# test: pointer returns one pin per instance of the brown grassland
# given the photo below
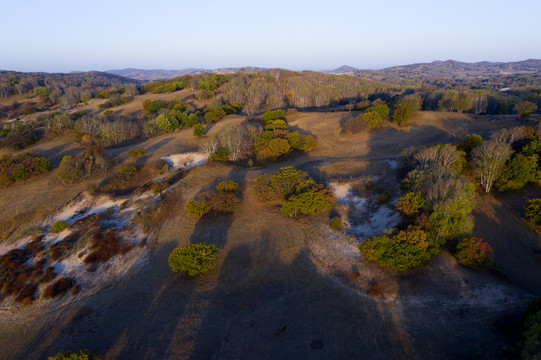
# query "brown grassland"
(282, 288)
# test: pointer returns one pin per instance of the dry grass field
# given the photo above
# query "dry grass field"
(282, 288)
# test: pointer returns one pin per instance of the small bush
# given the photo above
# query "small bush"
(75, 355)
(474, 253)
(161, 166)
(58, 226)
(197, 208)
(532, 211)
(224, 202)
(336, 223)
(128, 169)
(228, 186)
(198, 130)
(193, 259)
(59, 287)
(221, 156)
(307, 203)
(273, 115)
(383, 197)
(404, 250)
(136, 152)
(159, 186)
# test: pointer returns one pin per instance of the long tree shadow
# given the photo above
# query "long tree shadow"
(264, 308)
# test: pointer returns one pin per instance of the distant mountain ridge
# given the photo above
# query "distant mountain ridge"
(442, 69)
(453, 69)
(160, 74)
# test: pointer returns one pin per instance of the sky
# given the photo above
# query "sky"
(67, 35)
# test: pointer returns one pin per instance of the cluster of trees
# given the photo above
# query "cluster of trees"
(271, 141)
(401, 109)
(205, 82)
(90, 163)
(275, 89)
(165, 117)
(65, 89)
(224, 200)
(436, 212)
(276, 140)
(21, 167)
(18, 135)
(295, 191)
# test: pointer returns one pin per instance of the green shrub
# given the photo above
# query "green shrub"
(532, 211)
(401, 115)
(75, 355)
(518, 172)
(198, 130)
(128, 169)
(410, 204)
(307, 203)
(273, 115)
(381, 110)
(135, 152)
(221, 155)
(470, 142)
(215, 115)
(278, 148)
(58, 226)
(228, 186)
(336, 223)
(383, 197)
(197, 208)
(404, 250)
(224, 202)
(193, 259)
(474, 253)
(158, 186)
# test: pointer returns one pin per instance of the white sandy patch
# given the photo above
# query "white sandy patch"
(185, 160)
(377, 222)
(5, 247)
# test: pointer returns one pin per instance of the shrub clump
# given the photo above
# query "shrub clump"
(336, 223)
(136, 152)
(474, 253)
(383, 197)
(75, 355)
(221, 156)
(532, 211)
(193, 259)
(225, 200)
(21, 167)
(59, 287)
(58, 226)
(228, 186)
(297, 192)
(410, 204)
(403, 250)
(128, 170)
(90, 163)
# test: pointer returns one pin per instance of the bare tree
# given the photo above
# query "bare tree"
(209, 146)
(489, 161)
(511, 135)
(236, 141)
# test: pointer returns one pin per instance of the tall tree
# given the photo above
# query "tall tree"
(488, 160)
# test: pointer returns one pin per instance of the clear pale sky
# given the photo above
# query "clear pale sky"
(63, 36)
